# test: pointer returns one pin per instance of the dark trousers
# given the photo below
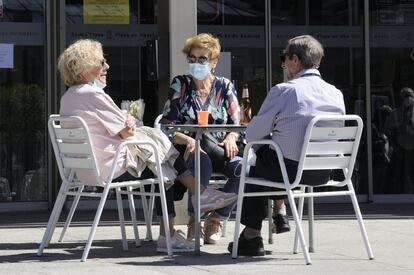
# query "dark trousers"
(267, 166)
(181, 167)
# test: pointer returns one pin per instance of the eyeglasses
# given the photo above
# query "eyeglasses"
(203, 60)
(103, 62)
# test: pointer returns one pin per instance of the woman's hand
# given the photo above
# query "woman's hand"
(230, 146)
(129, 122)
(129, 129)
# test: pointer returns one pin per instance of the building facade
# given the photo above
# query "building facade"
(369, 55)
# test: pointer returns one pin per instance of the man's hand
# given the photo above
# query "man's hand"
(190, 143)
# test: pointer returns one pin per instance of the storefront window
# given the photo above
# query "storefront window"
(392, 64)
(23, 164)
(288, 12)
(240, 28)
(338, 26)
(124, 44)
(336, 12)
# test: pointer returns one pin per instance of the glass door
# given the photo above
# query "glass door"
(23, 175)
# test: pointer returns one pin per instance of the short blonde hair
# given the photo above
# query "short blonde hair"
(203, 41)
(79, 58)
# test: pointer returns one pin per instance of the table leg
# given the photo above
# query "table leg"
(197, 194)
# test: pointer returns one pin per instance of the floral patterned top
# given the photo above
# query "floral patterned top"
(183, 103)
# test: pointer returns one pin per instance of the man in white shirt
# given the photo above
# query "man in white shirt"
(283, 117)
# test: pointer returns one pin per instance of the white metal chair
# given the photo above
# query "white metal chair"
(157, 120)
(74, 152)
(329, 143)
(217, 180)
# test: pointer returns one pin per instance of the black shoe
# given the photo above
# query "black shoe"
(280, 224)
(252, 247)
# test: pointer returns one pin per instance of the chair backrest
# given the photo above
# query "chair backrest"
(157, 120)
(331, 142)
(73, 148)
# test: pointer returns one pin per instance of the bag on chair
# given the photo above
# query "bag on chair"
(216, 152)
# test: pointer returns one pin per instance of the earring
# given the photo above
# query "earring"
(213, 70)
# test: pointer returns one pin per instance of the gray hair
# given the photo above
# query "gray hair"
(307, 49)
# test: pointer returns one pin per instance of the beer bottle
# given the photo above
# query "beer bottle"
(245, 106)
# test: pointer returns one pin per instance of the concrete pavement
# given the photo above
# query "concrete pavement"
(338, 250)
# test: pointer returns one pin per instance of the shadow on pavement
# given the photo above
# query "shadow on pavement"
(112, 249)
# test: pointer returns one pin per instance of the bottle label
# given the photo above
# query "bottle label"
(245, 93)
(246, 109)
(245, 112)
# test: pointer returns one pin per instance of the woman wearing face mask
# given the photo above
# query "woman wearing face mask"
(197, 90)
(84, 69)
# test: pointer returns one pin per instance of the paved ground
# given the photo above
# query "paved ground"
(338, 245)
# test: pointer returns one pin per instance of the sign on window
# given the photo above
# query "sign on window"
(106, 12)
(6, 56)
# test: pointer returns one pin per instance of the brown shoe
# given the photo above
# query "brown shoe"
(191, 232)
(212, 230)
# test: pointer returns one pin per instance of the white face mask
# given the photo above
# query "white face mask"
(98, 84)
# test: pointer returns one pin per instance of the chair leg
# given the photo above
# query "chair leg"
(238, 218)
(311, 219)
(95, 223)
(121, 218)
(133, 216)
(56, 219)
(298, 226)
(165, 218)
(360, 222)
(225, 221)
(270, 218)
(54, 216)
(223, 232)
(300, 206)
(71, 212)
(145, 207)
(151, 213)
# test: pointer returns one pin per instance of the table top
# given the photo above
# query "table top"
(207, 128)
